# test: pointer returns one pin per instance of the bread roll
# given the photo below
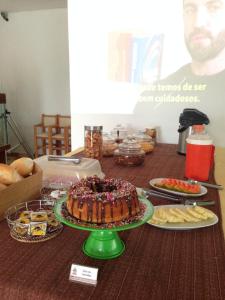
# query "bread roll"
(24, 165)
(8, 174)
(2, 186)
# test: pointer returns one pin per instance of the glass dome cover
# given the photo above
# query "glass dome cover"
(130, 145)
(129, 153)
(142, 136)
(119, 131)
(109, 145)
(108, 138)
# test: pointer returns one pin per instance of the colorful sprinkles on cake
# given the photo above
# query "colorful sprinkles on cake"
(100, 198)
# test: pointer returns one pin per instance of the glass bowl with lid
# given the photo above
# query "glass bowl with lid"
(55, 189)
(129, 153)
(119, 133)
(109, 145)
(145, 141)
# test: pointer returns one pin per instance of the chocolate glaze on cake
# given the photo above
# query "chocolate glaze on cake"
(98, 200)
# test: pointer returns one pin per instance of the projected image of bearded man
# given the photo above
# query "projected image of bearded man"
(199, 83)
(204, 32)
(204, 36)
(202, 45)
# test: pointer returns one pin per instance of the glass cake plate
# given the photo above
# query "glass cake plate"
(104, 242)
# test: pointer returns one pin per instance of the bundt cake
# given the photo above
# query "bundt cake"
(98, 200)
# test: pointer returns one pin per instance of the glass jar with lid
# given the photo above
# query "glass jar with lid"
(152, 133)
(145, 141)
(109, 145)
(129, 153)
(119, 133)
(93, 141)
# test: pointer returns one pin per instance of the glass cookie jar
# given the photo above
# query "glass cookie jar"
(145, 141)
(129, 153)
(109, 145)
(152, 133)
(93, 141)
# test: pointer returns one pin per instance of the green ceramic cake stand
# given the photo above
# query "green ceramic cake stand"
(104, 243)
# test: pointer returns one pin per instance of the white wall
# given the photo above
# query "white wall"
(107, 103)
(34, 66)
(97, 101)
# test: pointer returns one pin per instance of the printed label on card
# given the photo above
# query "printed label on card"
(83, 274)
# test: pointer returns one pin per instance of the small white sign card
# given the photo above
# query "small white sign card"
(83, 274)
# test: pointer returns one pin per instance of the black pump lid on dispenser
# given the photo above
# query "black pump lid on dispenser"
(191, 116)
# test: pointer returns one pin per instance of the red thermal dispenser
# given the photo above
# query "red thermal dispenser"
(199, 154)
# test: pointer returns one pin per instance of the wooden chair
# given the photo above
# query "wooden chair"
(61, 140)
(43, 134)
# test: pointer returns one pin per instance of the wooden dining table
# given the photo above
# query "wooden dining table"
(156, 264)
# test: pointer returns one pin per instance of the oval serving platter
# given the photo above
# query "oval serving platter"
(154, 181)
(184, 225)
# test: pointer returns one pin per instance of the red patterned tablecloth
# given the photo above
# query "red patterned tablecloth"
(157, 264)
